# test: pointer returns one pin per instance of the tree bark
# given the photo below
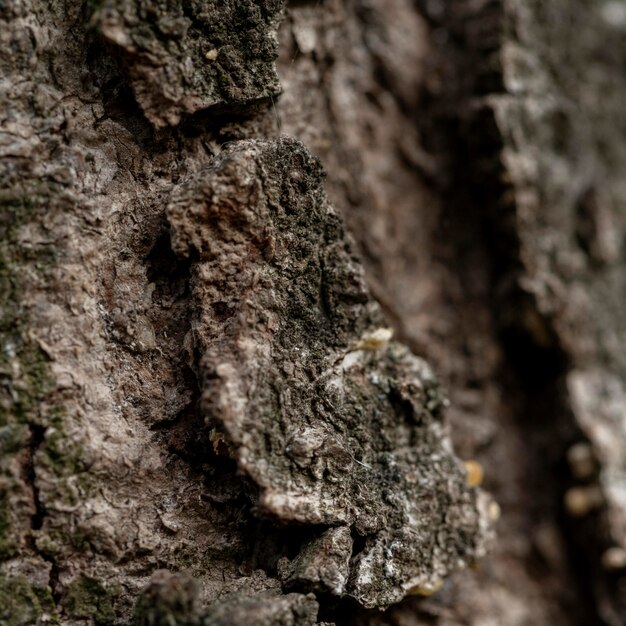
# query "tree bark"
(265, 267)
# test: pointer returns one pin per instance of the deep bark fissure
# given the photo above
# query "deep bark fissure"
(37, 441)
(533, 376)
(37, 435)
(534, 379)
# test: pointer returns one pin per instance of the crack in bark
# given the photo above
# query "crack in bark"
(36, 442)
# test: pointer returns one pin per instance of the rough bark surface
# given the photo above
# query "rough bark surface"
(183, 57)
(335, 425)
(204, 418)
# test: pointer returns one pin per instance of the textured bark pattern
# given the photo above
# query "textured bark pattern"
(334, 424)
(112, 473)
(560, 121)
(184, 57)
(463, 173)
(475, 152)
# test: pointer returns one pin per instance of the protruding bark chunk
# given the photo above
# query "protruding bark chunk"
(334, 430)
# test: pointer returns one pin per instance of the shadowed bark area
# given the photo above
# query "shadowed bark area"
(270, 273)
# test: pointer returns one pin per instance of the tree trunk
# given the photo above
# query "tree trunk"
(271, 274)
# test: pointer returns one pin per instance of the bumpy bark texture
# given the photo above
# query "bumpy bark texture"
(184, 57)
(336, 426)
(479, 175)
(203, 416)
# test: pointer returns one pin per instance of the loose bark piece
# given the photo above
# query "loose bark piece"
(293, 609)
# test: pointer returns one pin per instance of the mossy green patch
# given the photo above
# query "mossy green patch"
(8, 545)
(89, 599)
(24, 604)
(22, 363)
(13, 438)
(24, 372)
(63, 456)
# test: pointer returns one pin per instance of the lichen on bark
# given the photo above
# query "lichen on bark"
(338, 426)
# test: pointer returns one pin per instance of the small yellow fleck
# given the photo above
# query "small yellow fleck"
(211, 55)
(475, 473)
(378, 338)
(494, 511)
(580, 501)
(427, 588)
(614, 559)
